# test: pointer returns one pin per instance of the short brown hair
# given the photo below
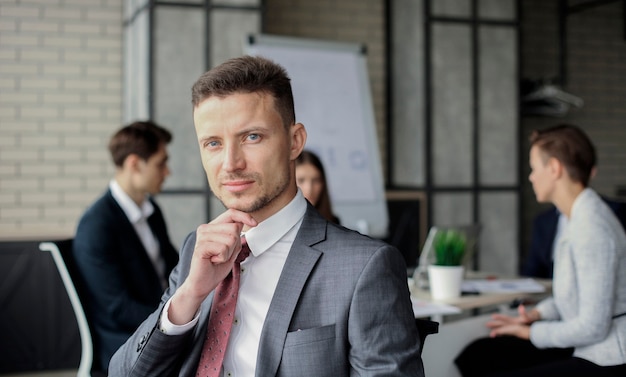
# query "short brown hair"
(571, 146)
(142, 138)
(248, 74)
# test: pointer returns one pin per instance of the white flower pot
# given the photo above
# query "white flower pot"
(445, 281)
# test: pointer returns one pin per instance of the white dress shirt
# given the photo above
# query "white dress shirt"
(269, 242)
(139, 218)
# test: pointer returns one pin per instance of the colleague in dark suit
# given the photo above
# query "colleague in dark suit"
(315, 299)
(546, 226)
(121, 246)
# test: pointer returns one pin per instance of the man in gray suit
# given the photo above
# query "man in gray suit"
(315, 299)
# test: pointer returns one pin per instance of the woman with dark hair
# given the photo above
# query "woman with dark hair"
(311, 179)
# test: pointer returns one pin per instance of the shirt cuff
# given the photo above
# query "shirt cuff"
(169, 328)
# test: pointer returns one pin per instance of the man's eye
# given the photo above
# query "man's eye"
(254, 137)
(211, 144)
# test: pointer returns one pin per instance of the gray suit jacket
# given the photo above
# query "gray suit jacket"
(341, 308)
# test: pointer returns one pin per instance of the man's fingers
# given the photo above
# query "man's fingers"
(219, 241)
(235, 216)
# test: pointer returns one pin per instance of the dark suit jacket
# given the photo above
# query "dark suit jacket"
(539, 261)
(121, 282)
(341, 308)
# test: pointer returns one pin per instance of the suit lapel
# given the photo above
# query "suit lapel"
(131, 244)
(159, 229)
(130, 237)
(298, 266)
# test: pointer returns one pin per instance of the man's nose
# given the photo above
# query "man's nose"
(233, 158)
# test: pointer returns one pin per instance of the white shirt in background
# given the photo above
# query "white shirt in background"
(139, 218)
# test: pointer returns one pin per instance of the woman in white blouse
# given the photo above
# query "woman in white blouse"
(581, 329)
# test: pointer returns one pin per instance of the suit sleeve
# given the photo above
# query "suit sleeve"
(382, 332)
(98, 257)
(149, 352)
(594, 263)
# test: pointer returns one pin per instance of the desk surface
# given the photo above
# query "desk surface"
(480, 300)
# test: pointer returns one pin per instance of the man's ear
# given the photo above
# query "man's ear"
(298, 140)
(131, 163)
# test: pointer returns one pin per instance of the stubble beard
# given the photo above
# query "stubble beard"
(261, 202)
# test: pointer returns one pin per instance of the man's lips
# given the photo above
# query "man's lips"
(237, 186)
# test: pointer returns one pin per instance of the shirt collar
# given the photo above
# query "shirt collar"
(130, 208)
(580, 199)
(271, 230)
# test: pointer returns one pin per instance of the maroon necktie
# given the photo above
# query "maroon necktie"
(221, 319)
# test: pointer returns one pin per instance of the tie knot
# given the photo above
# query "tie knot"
(244, 253)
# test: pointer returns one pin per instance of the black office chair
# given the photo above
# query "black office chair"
(61, 252)
(426, 327)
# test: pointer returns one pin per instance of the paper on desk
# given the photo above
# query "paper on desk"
(424, 308)
(527, 285)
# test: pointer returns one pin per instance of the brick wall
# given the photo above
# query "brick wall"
(596, 72)
(61, 90)
(61, 75)
(60, 100)
(358, 21)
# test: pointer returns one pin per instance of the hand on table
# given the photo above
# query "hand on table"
(518, 326)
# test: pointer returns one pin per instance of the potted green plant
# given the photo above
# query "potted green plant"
(449, 247)
(445, 274)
